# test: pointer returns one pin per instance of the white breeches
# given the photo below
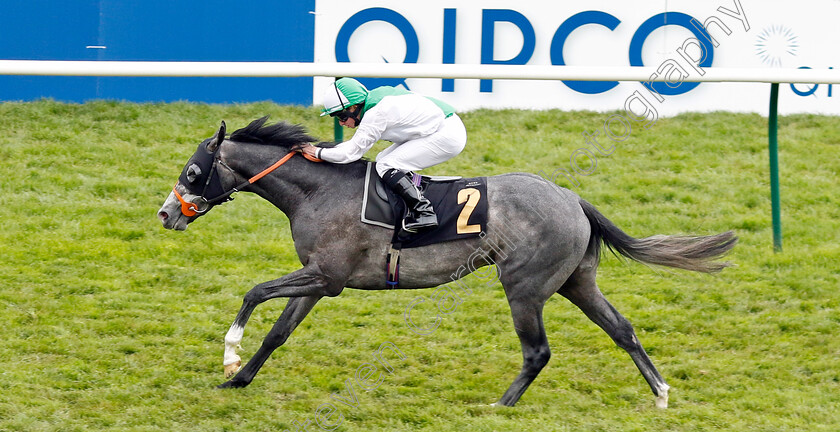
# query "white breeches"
(430, 150)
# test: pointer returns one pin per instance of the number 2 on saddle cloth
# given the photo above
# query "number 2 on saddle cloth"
(461, 208)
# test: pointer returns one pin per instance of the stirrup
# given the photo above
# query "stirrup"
(419, 226)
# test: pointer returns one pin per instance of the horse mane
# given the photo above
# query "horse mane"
(278, 134)
(289, 135)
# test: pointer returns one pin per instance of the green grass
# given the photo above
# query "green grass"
(114, 323)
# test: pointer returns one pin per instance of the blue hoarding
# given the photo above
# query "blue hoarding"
(158, 30)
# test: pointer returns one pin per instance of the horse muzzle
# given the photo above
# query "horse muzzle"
(170, 214)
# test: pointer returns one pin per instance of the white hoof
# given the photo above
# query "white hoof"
(232, 369)
(662, 399)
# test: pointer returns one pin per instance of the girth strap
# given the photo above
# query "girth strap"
(392, 266)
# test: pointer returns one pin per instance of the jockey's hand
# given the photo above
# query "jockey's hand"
(308, 149)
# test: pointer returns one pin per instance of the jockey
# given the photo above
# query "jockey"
(424, 132)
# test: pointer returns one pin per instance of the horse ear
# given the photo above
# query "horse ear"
(218, 139)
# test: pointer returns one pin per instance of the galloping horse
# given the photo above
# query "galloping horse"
(564, 235)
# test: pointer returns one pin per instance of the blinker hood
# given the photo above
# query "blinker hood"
(206, 182)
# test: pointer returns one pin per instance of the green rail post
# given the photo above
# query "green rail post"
(338, 131)
(773, 125)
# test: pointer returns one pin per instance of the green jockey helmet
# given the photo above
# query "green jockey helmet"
(342, 94)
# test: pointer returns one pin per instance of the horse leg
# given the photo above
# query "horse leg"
(528, 322)
(296, 310)
(582, 291)
(308, 281)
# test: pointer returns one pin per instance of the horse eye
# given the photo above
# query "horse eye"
(193, 172)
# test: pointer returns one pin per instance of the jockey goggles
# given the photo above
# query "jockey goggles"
(342, 115)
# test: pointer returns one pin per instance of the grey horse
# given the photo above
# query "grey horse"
(543, 239)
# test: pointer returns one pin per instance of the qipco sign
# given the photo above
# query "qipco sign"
(491, 17)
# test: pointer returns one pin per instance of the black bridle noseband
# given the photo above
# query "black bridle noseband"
(203, 171)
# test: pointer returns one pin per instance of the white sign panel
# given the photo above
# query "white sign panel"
(680, 37)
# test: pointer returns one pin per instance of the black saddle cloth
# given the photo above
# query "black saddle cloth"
(460, 205)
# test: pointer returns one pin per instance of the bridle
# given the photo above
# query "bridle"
(192, 208)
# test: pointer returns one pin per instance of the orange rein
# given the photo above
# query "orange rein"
(283, 160)
(190, 209)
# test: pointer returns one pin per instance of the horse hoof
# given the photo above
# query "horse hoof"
(662, 399)
(233, 384)
(232, 369)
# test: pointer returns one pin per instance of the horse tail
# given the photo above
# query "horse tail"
(695, 253)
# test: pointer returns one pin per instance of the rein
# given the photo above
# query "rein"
(190, 209)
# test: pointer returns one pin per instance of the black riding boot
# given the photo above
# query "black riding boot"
(421, 215)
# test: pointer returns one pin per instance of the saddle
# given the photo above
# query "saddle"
(460, 205)
(377, 208)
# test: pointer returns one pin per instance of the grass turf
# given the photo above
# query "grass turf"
(114, 323)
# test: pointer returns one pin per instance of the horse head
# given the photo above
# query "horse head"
(207, 180)
(199, 186)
